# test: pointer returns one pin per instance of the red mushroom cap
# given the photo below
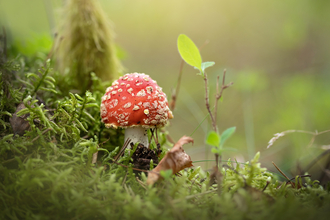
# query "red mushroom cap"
(135, 100)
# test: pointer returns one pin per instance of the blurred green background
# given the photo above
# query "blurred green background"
(276, 53)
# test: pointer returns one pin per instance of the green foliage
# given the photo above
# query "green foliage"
(43, 82)
(9, 96)
(217, 142)
(189, 51)
(213, 139)
(190, 54)
(226, 134)
(47, 173)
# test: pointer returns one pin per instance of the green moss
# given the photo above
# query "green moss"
(47, 172)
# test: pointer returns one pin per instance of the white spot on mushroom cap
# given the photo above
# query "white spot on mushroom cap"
(108, 89)
(136, 107)
(130, 90)
(149, 89)
(120, 90)
(146, 111)
(155, 104)
(160, 111)
(113, 103)
(141, 93)
(114, 92)
(146, 104)
(127, 105)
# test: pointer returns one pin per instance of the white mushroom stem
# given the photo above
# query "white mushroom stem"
(137, 134)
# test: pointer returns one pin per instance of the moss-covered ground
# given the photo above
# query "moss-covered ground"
(47, 169)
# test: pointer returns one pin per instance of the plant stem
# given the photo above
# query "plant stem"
(39, 83)
(207, 102)
(175, 93)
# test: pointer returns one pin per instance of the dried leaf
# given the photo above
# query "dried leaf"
(19, 124)
(176, 159)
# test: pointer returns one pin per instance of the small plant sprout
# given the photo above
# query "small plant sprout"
(135, 102)
(217, 142)
(191, 55)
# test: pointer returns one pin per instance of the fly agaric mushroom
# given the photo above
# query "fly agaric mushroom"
(135, 102)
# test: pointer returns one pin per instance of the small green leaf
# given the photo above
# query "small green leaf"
(207, 65)
(189, 52)
(213, 139)
(226, 134)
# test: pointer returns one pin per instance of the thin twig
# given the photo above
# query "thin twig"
(279, 170)
(217, 97)
(122, 149)
(105, 141)
(265, 186)
(219, 94)
(281, 134)
(152, 134)
(141, 183)
(36, 138)
(175, 93)
(207, 103)
(156, 136)
(307, 175)
(124, 180)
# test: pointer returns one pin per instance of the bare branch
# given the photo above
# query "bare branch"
(219, 94)
(281, 134)
(207, 103)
